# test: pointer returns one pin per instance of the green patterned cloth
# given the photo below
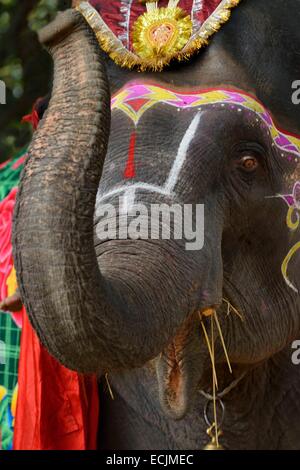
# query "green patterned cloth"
(10, 336)
(10, 175)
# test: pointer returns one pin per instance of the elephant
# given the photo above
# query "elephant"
(218, 131)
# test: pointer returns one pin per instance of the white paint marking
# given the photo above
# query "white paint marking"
(128, 199)
(145, 186)
(182, 154)
(168, 188)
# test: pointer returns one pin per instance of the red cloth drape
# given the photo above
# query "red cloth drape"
(57, 409)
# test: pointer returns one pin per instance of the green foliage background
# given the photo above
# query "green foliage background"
(24, 66)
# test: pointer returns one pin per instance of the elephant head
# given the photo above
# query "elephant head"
(208, 133)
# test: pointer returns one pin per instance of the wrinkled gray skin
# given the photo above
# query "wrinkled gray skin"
(129, 308)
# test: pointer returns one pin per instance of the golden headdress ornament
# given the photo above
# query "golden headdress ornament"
(150, 34)
(161, 32)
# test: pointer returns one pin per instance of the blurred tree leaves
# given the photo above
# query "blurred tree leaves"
(24, 66)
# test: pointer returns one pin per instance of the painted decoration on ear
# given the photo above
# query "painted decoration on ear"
(293, 223)
(148, 34)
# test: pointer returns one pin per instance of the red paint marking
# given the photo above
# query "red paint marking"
(138, 104)
(130, 167)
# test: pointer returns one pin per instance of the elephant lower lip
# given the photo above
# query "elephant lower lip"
(177, 376)
(174, 399)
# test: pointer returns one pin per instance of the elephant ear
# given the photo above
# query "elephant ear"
(148, 35)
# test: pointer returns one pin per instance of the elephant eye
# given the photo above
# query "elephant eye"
(248, 162)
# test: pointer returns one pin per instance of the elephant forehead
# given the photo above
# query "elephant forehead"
(158, 146)
(136, 98)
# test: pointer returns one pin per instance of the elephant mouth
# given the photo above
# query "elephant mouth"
(180, 368)
(184, 367)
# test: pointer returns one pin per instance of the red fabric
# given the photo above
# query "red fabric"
(32, 118)
(57, 409)
(116, 13)
(6, 258)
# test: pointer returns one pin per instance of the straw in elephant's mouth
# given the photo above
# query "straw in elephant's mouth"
(177, 376)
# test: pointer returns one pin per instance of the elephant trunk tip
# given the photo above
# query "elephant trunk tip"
(61, 26)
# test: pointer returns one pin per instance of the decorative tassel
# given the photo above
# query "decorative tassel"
(173, 3)
(151, 6)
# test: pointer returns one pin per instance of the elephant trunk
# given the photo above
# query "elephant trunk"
(53, 222)
(67, 299)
